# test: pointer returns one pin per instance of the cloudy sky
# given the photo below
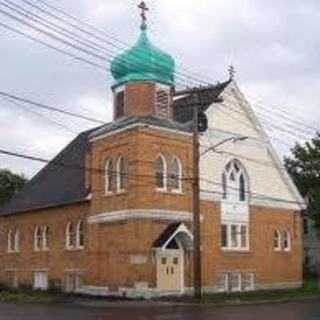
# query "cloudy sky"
(274, 46)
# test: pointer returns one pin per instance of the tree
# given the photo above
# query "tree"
(304, 168)
(10, 184)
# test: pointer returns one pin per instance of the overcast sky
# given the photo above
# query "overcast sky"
(274, 46)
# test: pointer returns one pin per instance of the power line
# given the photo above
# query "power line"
(125, 44)
(48, 45)
(48, 24)
(47, 107)
(23, 107)
(98, 170)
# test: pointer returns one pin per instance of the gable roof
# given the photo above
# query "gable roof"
(61, 181)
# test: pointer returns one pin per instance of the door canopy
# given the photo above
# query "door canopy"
(175, 236)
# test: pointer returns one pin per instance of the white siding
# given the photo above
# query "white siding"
(266, 176)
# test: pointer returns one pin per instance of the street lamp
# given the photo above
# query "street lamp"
(234, 139)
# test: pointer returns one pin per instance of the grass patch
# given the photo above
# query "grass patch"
(18, 296)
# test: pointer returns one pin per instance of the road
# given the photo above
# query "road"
(287, 311)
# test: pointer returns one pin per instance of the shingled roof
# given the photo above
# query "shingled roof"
(62, 181)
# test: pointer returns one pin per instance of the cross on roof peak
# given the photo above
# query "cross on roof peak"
(143, 7)
(231, 71)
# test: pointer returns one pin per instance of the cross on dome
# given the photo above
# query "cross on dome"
(143, 7)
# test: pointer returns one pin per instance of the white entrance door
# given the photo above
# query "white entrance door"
(170, 270)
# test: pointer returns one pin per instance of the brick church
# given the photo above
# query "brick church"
(111, 214)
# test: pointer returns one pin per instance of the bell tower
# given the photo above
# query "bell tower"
(144, 78)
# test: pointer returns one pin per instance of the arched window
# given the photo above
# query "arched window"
(70, 236)
(286, 241)
(277, 240)
(16, 240)
(176, 175)
(10, 241)
(80, 234)
(45, 237)
(109, 176)
(37, 239)
(234, 182)
(121, 174)
(161, 173)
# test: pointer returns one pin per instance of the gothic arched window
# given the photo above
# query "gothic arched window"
(121, 174)
(234, 182)
(109, 176)
(161, 173)
(176, 175)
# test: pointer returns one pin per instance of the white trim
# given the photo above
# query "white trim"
(181, 228)
(143, 125)
(156, 214)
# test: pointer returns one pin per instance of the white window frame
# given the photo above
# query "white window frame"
(68, 236)
(165, 173)
(108, 188)
(17, 241)
(9, 240)
(231, 189)
(45, 234)
(179, 175)
(229, 246)
(37, 243)
(80, 222)
(120, 173)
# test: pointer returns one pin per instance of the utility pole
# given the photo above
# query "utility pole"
(197, 275)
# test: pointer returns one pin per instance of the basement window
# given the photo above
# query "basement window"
(40, 280)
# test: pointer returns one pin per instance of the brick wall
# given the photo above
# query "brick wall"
(111, 247)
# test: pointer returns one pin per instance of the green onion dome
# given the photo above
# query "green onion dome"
(143, 62)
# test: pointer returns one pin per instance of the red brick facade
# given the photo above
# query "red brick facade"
(110, 247)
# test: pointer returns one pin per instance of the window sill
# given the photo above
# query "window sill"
(170, 192)
(74, 249)
(13, 252)
(235, 250)
(113, 194)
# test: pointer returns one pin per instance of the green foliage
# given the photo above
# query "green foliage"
(10, 184)
(304, 167)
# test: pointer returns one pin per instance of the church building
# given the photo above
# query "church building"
(111, 214)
